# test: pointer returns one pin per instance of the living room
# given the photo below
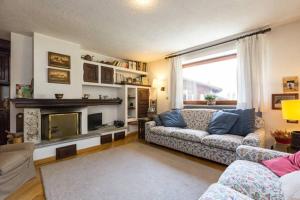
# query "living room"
(149, 99)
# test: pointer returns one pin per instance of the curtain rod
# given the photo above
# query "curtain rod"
(220, 43)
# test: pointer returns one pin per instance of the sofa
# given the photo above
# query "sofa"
(16, 166)
(247, 179)
(195, 140)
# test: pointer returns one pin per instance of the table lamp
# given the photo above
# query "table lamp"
(291, 111)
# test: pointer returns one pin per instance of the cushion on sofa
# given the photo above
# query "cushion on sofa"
(290, 185)
(227, 141)
(11, 160)
(165, 131)
(252, 179)
(246, 122)
(197, 119)
(221, 122)
(189, 134)
(284, 165)
(220, 192)
(157, 121)
(172, 119)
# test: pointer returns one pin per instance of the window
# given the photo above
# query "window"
(217, 76)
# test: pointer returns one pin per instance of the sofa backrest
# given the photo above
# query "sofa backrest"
(197, 119)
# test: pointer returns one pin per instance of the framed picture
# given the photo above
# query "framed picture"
(58, 76)
(290, 84)
(59, 60)
(277, 98)
(23, 91)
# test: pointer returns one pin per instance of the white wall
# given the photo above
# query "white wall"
(284, 60)
(21, 70)
(42, 89)
(161, 70)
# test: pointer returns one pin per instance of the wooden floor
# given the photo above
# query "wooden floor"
(33, 189)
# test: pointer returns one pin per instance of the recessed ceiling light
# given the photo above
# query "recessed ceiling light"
(143, 2)
(146, 4)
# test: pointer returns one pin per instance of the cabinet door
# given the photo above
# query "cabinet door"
(107, 75)
(4, 69)
(90, 73)
(4, 125)
(143, 102)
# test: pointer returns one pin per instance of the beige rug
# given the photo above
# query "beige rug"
(134, 171)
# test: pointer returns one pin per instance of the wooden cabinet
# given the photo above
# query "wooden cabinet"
(107, 75)
(4, 68)
(143, 102)
(4, 124)
(90, 73)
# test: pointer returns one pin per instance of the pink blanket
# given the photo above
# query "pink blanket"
(284, 165)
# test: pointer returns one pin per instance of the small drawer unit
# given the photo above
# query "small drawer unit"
(104, 139)
(66, 151)
(119, 135)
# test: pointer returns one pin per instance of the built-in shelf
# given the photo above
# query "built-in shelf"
(101, 85)
(90, 134)
(122, 69)
(131, 119)
(56, 103)
(132, 84)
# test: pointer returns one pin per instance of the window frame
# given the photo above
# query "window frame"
(208, 61)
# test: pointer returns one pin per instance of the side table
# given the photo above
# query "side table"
(141, 127)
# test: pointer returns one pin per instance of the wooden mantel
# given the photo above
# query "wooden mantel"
(63, 103)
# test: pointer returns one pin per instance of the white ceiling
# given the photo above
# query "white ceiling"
(120, 28)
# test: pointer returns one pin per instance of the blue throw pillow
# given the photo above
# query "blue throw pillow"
(246, 122)
(221, 122)
(157, 121)
(172, 119)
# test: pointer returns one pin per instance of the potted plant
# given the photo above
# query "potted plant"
(282, 137)
(211, 99)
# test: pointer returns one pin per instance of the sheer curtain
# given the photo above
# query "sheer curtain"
(250, 54)
(176, 83)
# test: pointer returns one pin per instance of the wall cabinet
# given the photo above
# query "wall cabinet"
(143, 102)
(107, 75)
(90, 73)
(4, 69)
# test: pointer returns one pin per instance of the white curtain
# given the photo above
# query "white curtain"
(176, 83)
(250, 55)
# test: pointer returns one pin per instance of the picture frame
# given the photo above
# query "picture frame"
(23, 91)
(290, 84)
(58, 76)
(59, 60)
(277, 98)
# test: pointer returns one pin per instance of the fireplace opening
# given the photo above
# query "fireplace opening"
(61, 125)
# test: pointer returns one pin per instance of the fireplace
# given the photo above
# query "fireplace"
(57, 126)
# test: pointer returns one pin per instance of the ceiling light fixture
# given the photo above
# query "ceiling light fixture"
(145, 4)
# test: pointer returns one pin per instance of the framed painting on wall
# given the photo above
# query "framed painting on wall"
(277, 98)
(59, 60)
(58, 76)
(290, 84)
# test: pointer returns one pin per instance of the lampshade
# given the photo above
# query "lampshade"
(290, 109)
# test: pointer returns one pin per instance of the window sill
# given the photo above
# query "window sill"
(216, 107)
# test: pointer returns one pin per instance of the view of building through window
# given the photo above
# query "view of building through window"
(218, 77)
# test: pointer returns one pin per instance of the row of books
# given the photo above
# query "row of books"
(140, 66)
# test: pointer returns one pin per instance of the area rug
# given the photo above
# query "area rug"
(134, 171)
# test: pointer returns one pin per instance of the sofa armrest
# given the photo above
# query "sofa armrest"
(148, 126)
(257, 154)
(15, 147)
(256, 139)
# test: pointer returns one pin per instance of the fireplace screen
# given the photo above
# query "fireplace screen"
(59, 126)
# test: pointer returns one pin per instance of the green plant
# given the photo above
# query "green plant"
(210, 97)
